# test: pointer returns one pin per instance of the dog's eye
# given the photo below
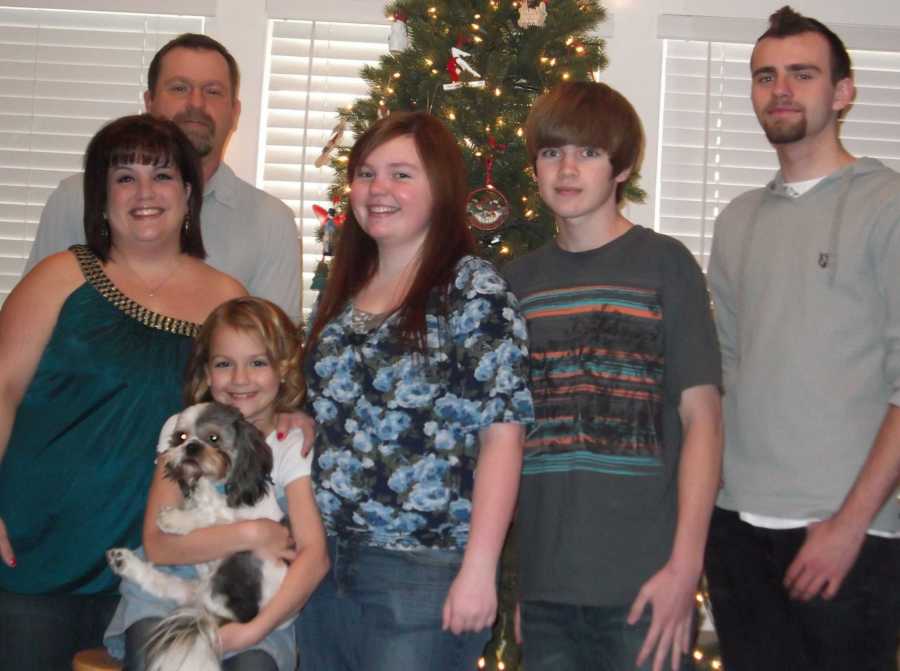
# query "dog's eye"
(214, 438)
(181, 436)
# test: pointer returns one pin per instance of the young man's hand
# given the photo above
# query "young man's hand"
(671, 595)
(824, 559)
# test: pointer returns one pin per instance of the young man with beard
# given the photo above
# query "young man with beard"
(250, 235)
(803, 559)
(623, 463)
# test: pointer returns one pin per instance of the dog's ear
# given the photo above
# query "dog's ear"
(252, 468)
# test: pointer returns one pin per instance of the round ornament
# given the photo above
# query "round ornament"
(486, 209)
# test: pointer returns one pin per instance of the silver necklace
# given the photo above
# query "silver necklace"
(152, 289)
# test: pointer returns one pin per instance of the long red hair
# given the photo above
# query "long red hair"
(448, 238)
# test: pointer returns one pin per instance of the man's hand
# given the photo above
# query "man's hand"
(285, 422)
(671, 594)
(471, 603)
(824, 559)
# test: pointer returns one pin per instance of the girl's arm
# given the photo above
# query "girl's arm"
(471, 603)
(303, 575)
(269, 538)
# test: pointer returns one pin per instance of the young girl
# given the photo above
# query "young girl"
(416, 373)
(246, 355)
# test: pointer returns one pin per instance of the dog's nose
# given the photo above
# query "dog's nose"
(193, 449)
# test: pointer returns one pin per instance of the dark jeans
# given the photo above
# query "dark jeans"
(380, 610)
(43, 632)
(564, 637)
(760, 627)
(136, 639)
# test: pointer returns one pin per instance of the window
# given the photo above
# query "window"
(711, 147)
(62, 75)
(313, 71)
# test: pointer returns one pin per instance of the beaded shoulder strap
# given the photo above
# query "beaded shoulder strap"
(93, 273)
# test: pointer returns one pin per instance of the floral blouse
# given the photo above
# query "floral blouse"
(397, 435)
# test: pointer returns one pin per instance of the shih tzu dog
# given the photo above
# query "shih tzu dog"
(222, 464)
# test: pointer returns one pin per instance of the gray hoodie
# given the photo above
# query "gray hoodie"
(807, 303)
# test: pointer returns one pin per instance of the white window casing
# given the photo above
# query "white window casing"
(312, 71)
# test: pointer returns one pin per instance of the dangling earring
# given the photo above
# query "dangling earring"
(187, 223)
(104, 232)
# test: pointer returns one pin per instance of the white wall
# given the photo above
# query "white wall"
(633, 48)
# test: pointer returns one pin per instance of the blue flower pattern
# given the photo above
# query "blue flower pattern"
(397, 434)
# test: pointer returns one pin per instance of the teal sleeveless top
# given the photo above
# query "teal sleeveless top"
(79, 462)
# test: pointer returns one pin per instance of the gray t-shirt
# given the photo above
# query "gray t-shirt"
(615, 335)
(247, 233)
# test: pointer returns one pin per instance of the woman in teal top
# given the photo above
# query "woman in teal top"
(93, 343)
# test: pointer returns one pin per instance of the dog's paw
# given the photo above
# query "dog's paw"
(123, 562)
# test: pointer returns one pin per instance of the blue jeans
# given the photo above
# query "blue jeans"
(760, 627)
(380, 610)
(564, 637)
(41, 632)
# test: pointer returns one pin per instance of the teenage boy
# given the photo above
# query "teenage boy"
(622, 465)
(804, 555)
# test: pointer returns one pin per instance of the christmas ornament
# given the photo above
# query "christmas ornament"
(399, 38)
(532, 14)
(329, 222)
(336, 135)
(455, 64)
(486, 209)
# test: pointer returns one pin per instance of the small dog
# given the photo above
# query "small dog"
(222, 464)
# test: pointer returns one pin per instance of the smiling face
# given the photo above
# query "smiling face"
(391, 195)
(145, 204)
(240, 374)
(577, 183)
(194, 91)
(792, 92)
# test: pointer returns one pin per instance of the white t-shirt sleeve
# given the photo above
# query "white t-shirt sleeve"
(288, 463)
(166, 433)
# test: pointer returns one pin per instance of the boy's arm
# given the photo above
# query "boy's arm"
(671, 590)
(832, 545)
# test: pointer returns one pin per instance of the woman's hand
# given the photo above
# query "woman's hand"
(235, 636)
(6, 551)
(471, 603)
(269, 539)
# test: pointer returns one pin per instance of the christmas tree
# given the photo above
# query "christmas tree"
(478, 65)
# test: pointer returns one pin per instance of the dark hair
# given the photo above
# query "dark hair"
(193, 41)
(587, 114)
(145, 140)
(448, 238)
(786, 22)
(272, 326)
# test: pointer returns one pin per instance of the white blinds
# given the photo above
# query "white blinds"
(711, 147)
(313, 71)
(62, 75)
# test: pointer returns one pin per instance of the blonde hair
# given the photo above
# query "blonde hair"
(272, 326)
